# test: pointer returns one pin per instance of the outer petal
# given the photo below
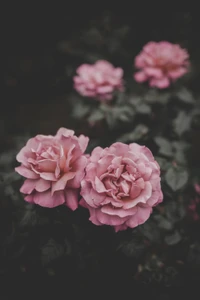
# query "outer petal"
(83, 142)
(65, 132)
(120, 212)
(160, 83)
(26, 172)
(108, 219)
(45, 199)
(120, 227)
(28, 186)
(177, 73)
(140, 217)
(39, 185)
(140, 76)
(71, 198)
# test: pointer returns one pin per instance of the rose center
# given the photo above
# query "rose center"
(121, 183)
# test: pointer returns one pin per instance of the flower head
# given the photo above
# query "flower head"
(160, 63)
(121, 185)
(99, 80)
(53, 167)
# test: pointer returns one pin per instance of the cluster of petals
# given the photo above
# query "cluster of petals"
(161, 63)
(54, 167)
(121, 185)
(98, 80)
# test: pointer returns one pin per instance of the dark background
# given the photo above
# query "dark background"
(35, 85)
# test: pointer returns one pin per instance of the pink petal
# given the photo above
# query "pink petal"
(26, 172)
(135, 191)
(23, 156)
(42, 185)
(29, 198)
(160, 83)
(105, 89)
(197, 188)
(45, 199)
(79, 165)
(108, 219)
(142, 198)
(140, 217)
(140, 76)
(118, 149)
(96, 154)
(154, 72)
(28, 186)
(120, 212)
(46, 165)
(120, 227)
(83, 142)
(99, 186)
(90, 196)
(48, 176)
(177, 73)
(61, 183)
(64, 132)
(71, 198)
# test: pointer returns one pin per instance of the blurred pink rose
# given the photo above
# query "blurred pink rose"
(160, 63)
(54, 167)
(194, 205)
(121, 185)
(98, 80)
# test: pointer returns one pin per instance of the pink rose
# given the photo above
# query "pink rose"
(54, 167)
(98, 80)
(160, 63)
(121, 185)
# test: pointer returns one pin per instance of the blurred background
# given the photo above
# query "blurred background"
(42, 47)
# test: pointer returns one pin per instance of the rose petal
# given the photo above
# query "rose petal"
(109, 210)
(61, 183)
(45, 199)
(71, 198)
(140, 217)
(142, 198)
(26, 172)
(28, 186)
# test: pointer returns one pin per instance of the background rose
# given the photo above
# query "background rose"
(121, 185)
(98, 80)
(54, 167)
(160, 63)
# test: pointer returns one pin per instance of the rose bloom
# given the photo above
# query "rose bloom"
(99, 80)
(160, 63)
(121, 185)
(54, 167)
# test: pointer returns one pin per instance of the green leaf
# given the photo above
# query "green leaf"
(165, 146)
(154, 96)
(185, 95)
(96, 116)
(163, 222)
(176, 178)
(80, 110)
(139, 132)
(143, 109)
(173, 238)
(163, 163)
(182, 123)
